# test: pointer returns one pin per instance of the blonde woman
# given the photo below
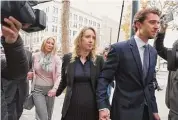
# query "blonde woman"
(46, 65)
(80, 70)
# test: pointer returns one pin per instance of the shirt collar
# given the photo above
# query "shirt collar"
(139, 42)
(88, 57)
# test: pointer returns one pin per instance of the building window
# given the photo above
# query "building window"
(38, 39)
(59, 30)
(69, 32)
(79, 25)
(46, 18)
(70, 24)
(74, 32)
(41, 38)
(75, 25)
(70, 16)
(46, 29)
(90, 22)
(34, 40)
(75, 17)
(81, 19)
(54, 19)
(55, 10)
(47, 9)
(59, 40)
(29, 41)
(86, 21)
(54, 28)
(98, 25)
(94, 23)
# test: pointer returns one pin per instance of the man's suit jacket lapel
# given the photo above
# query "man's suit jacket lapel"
(136, 56)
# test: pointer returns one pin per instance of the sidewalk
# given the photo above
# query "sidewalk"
(30, 114)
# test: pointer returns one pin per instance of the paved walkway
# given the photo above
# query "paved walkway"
(30, 114)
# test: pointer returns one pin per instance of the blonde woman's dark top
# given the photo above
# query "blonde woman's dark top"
(80, 80)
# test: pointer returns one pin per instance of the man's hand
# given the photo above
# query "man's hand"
(11, 33)
(163, 27)
(156, 116)
(104, 114)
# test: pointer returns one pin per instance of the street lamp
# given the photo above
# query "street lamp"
(120, 21)
(110, 35)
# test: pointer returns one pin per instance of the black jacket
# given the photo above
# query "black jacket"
(67, 78)
(172, 84)
(14, 67)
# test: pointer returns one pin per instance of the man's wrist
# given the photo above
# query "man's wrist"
(55, 88)
(10, 41)
(104, 109)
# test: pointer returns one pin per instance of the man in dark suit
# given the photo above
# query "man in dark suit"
(132, 63)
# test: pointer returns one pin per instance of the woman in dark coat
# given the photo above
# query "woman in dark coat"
(80, 70)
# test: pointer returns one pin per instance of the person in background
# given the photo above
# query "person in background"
(14, 68)
(172, 83)
(29, 58)
(80, 70)
(37, 50)
(46, 74)
(110, 86)
(132, 63)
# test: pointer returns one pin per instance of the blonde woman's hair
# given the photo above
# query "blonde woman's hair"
(44, 43)
(77, 43)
